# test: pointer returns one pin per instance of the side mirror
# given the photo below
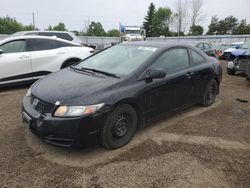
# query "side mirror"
(155, 74)
(1, 51)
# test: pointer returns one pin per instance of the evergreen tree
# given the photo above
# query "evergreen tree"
(149, 19)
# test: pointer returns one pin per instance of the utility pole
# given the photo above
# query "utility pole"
(33, 16)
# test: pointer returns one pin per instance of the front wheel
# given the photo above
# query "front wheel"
(119, 127)
(231, 71)
(69, 63)
(210, 93)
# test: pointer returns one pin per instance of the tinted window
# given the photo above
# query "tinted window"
(207, 46)
(14, 46)
(48, 34)
(65, 36)
(31, 34)
(63, 44)
(42, 44)
(200, 46)
(197, 58)
(173, 60)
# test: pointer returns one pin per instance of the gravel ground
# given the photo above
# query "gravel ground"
(200, 147)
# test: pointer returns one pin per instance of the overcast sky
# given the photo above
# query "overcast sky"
(75, 13)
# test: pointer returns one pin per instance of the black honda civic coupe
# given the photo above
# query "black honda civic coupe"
(111, 94)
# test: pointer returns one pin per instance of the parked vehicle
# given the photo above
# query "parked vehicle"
(59, 34)
(114, 92)
(239, 59)
(232, 47)
(132, 33)
(205, 47)
(27, 58)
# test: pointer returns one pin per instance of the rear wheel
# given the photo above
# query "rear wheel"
(119, 127)
(231, 71)
(210, 93)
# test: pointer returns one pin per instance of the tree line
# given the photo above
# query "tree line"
(230, 26)
(167, 22)
(10, 25)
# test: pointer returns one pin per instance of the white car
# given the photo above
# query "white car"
(59, 34)
(28, 58)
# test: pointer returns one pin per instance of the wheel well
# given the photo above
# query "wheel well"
(69, 60)
(137, 109)
(218, 84)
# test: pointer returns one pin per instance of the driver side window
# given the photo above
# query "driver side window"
(14, 46)
(173, 60)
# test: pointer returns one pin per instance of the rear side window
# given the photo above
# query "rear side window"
(200, 46)
(207, 46)
(47, 34)
(197, 59)
(42, 44)
(173, 60)
(14, 46)
(30, 34)
(64, 36)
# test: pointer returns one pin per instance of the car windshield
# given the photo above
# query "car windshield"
(132, 32)
(246, 45)
(119, 59)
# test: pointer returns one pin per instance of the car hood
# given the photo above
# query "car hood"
(72, 87)
(239, 52)
(230, 50)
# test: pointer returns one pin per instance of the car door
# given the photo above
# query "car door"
(201, 71)
(175, 90)
(46, 56)
(15, 61)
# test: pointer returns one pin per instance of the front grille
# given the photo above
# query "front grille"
(243, 64)
(40, 105)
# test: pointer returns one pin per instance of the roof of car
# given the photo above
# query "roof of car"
(159, 44)
(37, 31)
(36, 37)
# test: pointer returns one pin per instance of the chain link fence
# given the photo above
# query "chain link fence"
(102, 42)
(220, 39)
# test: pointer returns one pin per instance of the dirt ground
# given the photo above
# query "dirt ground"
(200, 147)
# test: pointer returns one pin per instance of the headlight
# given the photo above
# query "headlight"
(28, 92)
(76, 111)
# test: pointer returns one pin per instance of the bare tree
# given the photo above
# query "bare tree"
(197, 14)
(181, 7)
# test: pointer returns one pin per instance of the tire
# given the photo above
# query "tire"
(231, 71)
(210, 93)
(119, 127)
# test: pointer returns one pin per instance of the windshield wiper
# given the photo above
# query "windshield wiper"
(101, 72)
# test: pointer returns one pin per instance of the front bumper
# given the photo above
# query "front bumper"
(65, 132)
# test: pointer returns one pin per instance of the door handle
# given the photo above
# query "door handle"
(189, 75)
(24, 57)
